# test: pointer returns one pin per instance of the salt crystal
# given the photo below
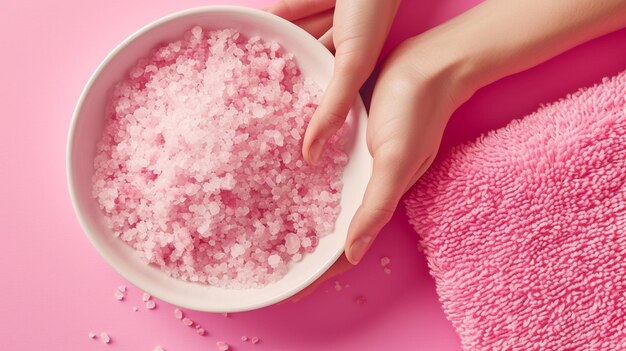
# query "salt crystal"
(200, 331)
(159, 348)
(145, 297)
(255, 340)
(196, 31)
(225, 315)
(135, 309)
(387, 270)
(292, 243)
(360, 300)
(384, 261)
(273, 260)
(150, 304)
(119, 296)
(91, 335)
(244, 338)
(222, 346)
(178, 313)
(236, 250)
(338, 286)
(105, 338)
(122, 288)
(188, 322)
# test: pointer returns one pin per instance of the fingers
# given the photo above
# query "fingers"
(359, 31)
(317, 24)
(293, 10)
(336, 269)
(392, 172)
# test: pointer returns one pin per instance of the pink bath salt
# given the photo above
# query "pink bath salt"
(199, 167)
(159, 348)
(118, 295)
(387, 270)
(145, 297)
(178, 314)
(200, 331)
(384, 261)
(91, 335)
(255, 340)
(122, 288)
(222, 346)
(150, 304)
(188, 322)
(135, 309)
(225, 315)
(338, 286)
(105, 338)
(244, 338)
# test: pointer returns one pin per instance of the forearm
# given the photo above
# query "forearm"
(498, 38)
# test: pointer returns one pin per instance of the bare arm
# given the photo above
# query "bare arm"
(498, 38)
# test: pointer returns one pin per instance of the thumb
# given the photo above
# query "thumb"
(391, 174)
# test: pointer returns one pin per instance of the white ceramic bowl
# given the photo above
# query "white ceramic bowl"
(86, 128)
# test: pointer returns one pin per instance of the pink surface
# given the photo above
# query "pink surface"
(55, 288)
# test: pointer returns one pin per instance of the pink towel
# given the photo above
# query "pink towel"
(525, 228)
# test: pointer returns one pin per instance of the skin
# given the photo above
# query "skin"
(424, 80)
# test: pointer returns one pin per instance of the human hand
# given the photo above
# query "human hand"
(427, 77)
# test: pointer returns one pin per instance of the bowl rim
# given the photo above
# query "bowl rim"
(358, 107)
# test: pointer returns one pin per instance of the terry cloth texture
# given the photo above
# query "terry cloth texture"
(524, 229)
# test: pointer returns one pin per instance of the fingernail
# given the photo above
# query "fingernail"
(358, 248)
(315, 151)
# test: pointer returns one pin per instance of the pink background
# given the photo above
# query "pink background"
(55, 288)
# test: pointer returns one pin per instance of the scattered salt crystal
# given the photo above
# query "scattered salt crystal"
(178, 313)
(105, 338)
(244, 338)
(145, 297)
(255, 340)
(200, 331)
(384, 261)
(188, 322)
(360, 300)
(338, 286)
(135, 309)
(91, 335)
(167, 185)
(225, 315)
(387, 270)
(159, 348)
(122, 288)
(119, 296)
(222, 346)
(150, 304)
